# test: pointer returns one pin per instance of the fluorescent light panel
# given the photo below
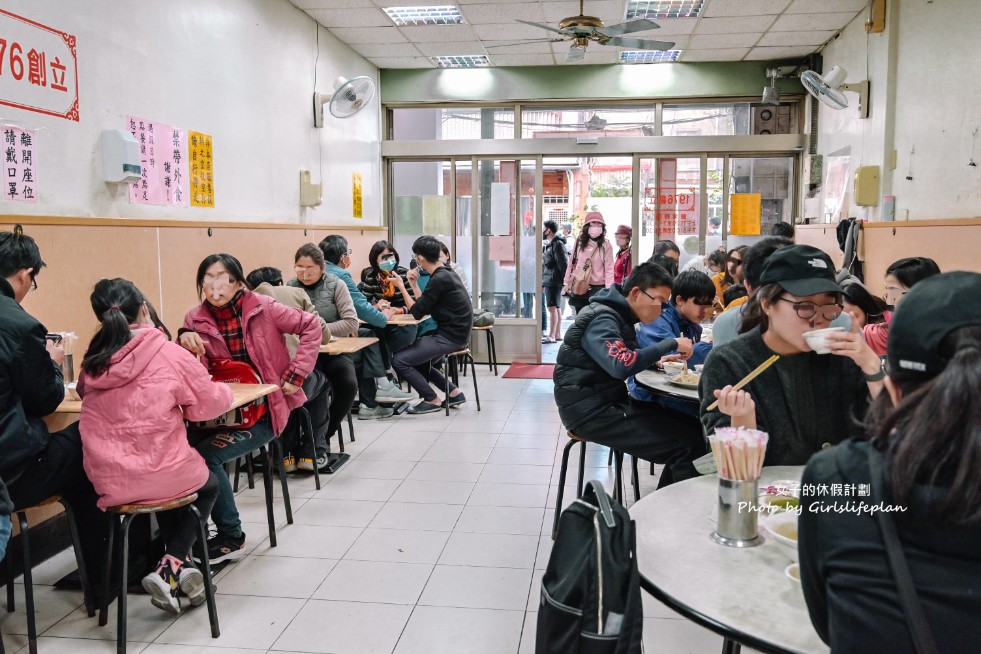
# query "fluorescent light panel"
(648, 56)
(461, 61)
(435, 15)
(664, 8)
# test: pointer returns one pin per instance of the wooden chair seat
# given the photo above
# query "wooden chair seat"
(459, 353)
(136, 509)
(54, 499)
(483, 328)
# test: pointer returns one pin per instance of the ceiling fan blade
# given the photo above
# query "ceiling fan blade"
(523, 42)
(639, 25)
(544, 27)
(576, 53)
(639, 44)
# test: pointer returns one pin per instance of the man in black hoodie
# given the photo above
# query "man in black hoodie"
(555, 260)
(600, 352)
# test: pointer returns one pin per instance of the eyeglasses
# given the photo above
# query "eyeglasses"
(33, 284)
(657, 300)
(349, 251)
(384, 257)
(896, 291)
(807, 310)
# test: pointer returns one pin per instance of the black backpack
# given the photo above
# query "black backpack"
(590, 600)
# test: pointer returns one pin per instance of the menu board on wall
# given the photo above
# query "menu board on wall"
(19, 165)
(202, 170)
(164, 176)
(744, 214)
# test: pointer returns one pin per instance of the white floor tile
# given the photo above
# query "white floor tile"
(157, 648)
(398, 545)
(544, 549)
(312, 541)
(501, 520)
(479, 423)
(433, 492)
(354, 488)
(425, 517)
(252, 508)
(276, 576)
(662, 636)
(477, 588)
(457, 453)
(446, 471)
(522, 426)
(375, 581)
(509, 473)
(527, 441)
(434, 629)
(50, 606)
(535, 591)
(522, 456)
(367, 469)
(527, 645)
(527, 495)
(337, 513)
(53, 645)
(475, 438)
(490, 550)
(246, 622)
(352, 628)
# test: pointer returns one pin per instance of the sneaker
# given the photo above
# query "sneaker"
(424, 407)
(307, 464)
(393, 394)
(289, 463)
(223, 548)
(162, 585)
(455, 402)
(191, 581)
(374, 413)
(547, 339)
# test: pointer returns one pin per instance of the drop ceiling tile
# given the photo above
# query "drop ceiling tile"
(517, 47)
(609, 11)
(382, 4)
(605, 57)
(331, 4)
(767, 54)
(672, 26)
(724, 54)
(480, 2)
(720, 41)
(502, 31)
(734, 25)
(452, 48)
(787, 39)
(716, 8)
(493, 13)
(522, 60)
(436, 33)
(352, 35)
(370, 50)
(826, 6)
(812, 22)
(402, 62)
(358, 17)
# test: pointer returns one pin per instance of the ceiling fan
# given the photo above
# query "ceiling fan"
(582, 29)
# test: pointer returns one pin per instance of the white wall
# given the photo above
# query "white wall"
(923, 71)
(239, 70)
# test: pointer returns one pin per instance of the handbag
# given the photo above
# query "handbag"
(916, 620)
(579, 279)
(243, 417)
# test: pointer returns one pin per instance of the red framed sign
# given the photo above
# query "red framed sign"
(38, 67)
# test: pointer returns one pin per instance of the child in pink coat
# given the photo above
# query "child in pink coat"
(138, 388)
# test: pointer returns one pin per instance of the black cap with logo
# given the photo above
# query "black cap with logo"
(932, 309)
(800, 270)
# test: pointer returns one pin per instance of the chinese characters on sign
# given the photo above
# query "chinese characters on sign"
(147, 190)
(357, 194)
(38, 67)
(164, 179)
(673, 210)
(744, 219)
(19, 165)
(202, 170)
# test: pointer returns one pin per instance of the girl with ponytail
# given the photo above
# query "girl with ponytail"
(921, 460)
(138, 389)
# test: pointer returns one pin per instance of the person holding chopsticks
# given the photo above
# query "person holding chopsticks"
(805, 401)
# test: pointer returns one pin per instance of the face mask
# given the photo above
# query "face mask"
(388, 266)
(443, 260)
(595, 231)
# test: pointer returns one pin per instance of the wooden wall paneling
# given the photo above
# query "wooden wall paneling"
(952, 246)
(823, 237)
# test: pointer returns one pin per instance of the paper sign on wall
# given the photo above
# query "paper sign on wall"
(202, 169)
(744, 214)
(38, 67)
(501, 248)
(147, 189)
(164, 175)
(356, 194)
(500, 208)
(19, 165)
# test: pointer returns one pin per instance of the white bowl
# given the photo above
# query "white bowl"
(782, 521)
(793, 574)
(699, 367)
(71, 393)
(674, 368)
(817, 340)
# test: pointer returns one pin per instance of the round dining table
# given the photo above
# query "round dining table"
(742, 594)
(658, 382)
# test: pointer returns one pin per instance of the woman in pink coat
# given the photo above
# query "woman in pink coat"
(234, 323)
(138, 390)
(592, 254)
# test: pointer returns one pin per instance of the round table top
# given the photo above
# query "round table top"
(737, 592)
(657, 382)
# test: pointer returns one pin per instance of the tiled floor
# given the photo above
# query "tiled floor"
(432, 539)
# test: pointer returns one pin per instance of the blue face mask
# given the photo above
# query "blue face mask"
(389, 265)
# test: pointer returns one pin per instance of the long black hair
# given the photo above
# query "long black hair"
(584, 239)
(741, 250)
(116, 303)
(230, 263)
(910, 270)
(933, 436)
(872, 305)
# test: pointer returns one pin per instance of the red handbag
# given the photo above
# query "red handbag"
(243, 417)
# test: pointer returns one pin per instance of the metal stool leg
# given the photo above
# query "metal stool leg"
(582, 467)
(10, 583)
(473, 370)
(350, 424)
(250, 471)
(278, 449)
(491, 352)
(267, 484)
(558, 499)
(107, 575)
(618, 477)
(209, 588)
(238, 471)
(308, 426)
(83, 573)
(121, 603)
(634, 477)
(446, 385)
(28, 582)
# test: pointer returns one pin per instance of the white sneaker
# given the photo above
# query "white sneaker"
(393, 393)
(376, 413)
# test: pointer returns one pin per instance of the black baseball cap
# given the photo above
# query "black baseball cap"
(800, 270)
(932, 309)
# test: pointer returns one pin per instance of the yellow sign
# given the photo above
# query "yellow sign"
(744, 214)
(356, 194)
(202, 170)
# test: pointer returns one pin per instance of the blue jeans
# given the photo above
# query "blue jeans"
(4, 534)
(218, 448)
(415, 364)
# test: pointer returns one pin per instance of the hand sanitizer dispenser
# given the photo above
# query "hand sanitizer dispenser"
(120, 156)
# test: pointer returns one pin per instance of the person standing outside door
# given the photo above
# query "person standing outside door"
(555, 261)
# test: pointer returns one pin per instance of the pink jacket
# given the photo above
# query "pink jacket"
(264, 322)
(601, 266)
(877, 335)
(134, 445)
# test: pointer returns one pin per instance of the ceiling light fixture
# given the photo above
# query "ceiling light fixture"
(417, 16)
(771, 95)
(664, 8)
(461, 61)
(648, 56)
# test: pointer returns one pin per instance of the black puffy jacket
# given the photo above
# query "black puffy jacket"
(555, 260)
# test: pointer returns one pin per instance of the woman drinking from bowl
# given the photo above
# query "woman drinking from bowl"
(805, 400)
(233, 323)
(923, 456)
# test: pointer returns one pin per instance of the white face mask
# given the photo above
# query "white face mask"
(595, 231)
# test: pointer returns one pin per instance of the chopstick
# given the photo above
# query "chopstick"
(748, 378)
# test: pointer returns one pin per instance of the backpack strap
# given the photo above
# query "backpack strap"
(912, 608)
(603, 500)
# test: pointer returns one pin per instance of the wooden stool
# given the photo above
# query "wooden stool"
(449, 364)
(28, 578)
(128, 512)
(491, 347)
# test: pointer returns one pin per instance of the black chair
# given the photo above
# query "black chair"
(448, 362)
(128, 512)
(28, 578)
(271, 456)
(491, 347)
